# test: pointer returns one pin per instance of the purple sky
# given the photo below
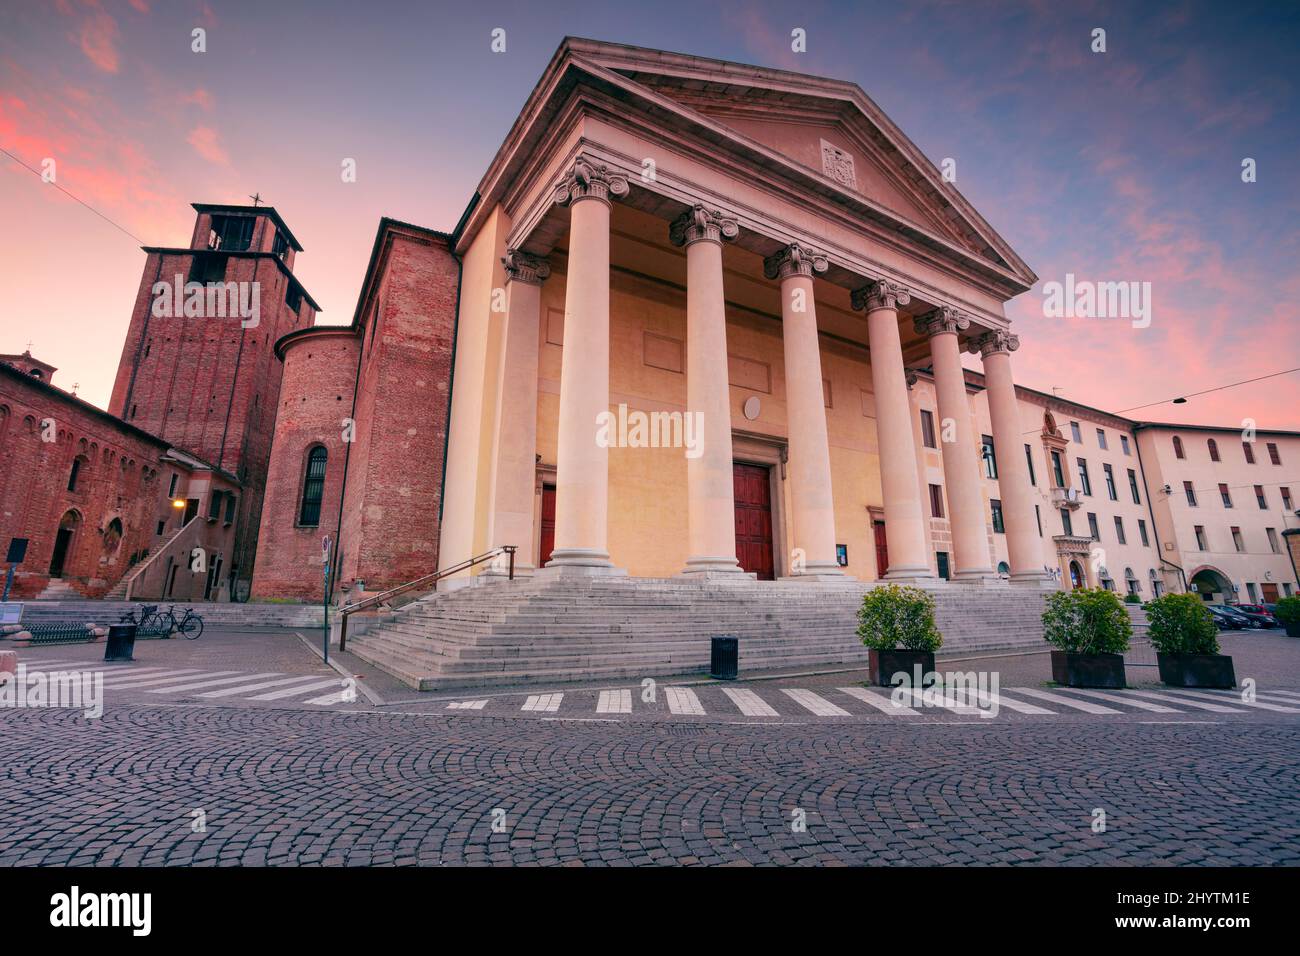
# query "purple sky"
(1122, 166)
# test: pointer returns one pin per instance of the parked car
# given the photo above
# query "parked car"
(1257, 612)
(1247, 621)
(1226, 620)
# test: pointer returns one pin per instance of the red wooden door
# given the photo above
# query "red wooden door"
(1269, 593)
(548, 524)
(882, 549)
(753, 493)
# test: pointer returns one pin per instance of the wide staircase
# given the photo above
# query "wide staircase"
(564, 629)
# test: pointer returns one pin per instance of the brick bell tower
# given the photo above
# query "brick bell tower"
(198, 367)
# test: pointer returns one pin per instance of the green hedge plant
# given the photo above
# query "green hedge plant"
(896, 616)
(1182, 624)
(1288, 610)
(1086, 621)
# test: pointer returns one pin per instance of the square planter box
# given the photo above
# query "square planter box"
(1088, 670)
(885, 664)
(1196, 670)
(1292, 629)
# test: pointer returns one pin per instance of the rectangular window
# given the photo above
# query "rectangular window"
(1190, 492)
(1094, 530)
(996, 507)
(1133, 486)
(1225, 495)
(1123, 444)
(293, 297)
(1250, 452)
(1142, 533)
(1038, 516)
(1259, 496)
(1058, 471)
(231, 233)
(936, 501)
(1029, 460)
(989, 455)
(941, 562)
(1119, 530)
(1101, 438)
(208, 267)
(1085, 483)
(1214, 450)
(230, 508)
(927, 429)
(1250, 590)
(1286, 498)
(1067, 525)
(1201, 543)
(171, 490)
(1075, 433)
(161, 526)
(280, 245)
(1273, 455)
(1272, 540)
(1110, 483)
(214, 505)
(72, 476)
(1178, 448)
(1237, 540)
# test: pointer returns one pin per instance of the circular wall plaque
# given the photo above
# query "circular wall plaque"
(752, 407)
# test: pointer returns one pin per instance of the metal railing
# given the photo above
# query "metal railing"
(428, 581)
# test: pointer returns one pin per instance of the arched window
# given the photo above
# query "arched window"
(1178, 447)
(1004, 569)
(75, 473)
(313, 487)
(1214, 449)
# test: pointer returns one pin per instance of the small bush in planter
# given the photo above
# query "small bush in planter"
(896, 623)
(1091, 630)
(1132, 598)
(1182, 624)
(1287, 613)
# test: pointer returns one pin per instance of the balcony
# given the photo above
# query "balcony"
(1067, 498)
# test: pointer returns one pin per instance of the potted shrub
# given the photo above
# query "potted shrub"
(1090, 630)
(1288, 614)
(896, 623)
(1186, 640)
(1132, 598)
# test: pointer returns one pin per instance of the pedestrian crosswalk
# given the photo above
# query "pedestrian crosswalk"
(200, 684)
(775, 701)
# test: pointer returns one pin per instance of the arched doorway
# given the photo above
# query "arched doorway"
(1077, 579)
(1212, 585)
(63, 542)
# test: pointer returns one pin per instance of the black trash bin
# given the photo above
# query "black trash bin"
(121, 643)
(724, 659)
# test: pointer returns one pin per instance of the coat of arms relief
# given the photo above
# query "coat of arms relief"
(838, 165)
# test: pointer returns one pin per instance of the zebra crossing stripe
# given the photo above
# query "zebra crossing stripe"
(1283, 693)
(815, 703)
(1259, 704)
(1235, 695)
(199, 685)
(245, 688)
(882, 702)
(300, 689)
(465, 704)
(683, 700)
(939, 700)
(1064, 701)
(614, 702)
(749, 703)
(1118, 697)
(1187, 702)
(342, 697)
(1001, 700)
(166, 677)
(543, 703)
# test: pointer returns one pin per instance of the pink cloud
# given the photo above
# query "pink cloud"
(200, 98)
(141, 5)
(207, 144)
(98, 39)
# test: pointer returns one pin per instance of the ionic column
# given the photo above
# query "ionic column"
(1024, 553)
(582, 464)
(514, 455)
(960, 457)
(899, 480)
(809, 467)
(711, 502)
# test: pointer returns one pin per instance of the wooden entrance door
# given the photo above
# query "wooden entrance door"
(753, 493)
(548, 525)
(1269, 593)
(882, 549)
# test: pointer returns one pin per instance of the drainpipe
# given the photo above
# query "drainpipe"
(1155, 531)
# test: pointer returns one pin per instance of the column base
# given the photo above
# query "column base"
(1033, 579)
(910, 574)
(983, 577)
(697, 564)
(819, 571)
(503, 574)
(713, 576)
(579, 558)
(556, 572)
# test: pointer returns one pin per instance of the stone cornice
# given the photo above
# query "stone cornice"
(993, 342)
(943, 320)
(588, 180)
(521, 267)
(700, 224)
(881, 294)
(794, 260)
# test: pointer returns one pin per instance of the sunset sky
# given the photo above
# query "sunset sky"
(1122, 166)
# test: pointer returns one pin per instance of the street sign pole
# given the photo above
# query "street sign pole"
(325, 596)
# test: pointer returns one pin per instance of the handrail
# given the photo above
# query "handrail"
(433, 578)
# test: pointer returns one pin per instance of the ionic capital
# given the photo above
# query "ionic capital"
(521, 267)
(882, 294)
(588, 180)
(699, 224)
(944, 319)
(990, 343)
(794, 260)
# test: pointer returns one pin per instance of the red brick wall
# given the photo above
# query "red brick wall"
(315, 398)
(121, 477)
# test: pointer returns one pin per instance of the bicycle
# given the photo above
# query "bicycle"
(191, 625)
(149, 619)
